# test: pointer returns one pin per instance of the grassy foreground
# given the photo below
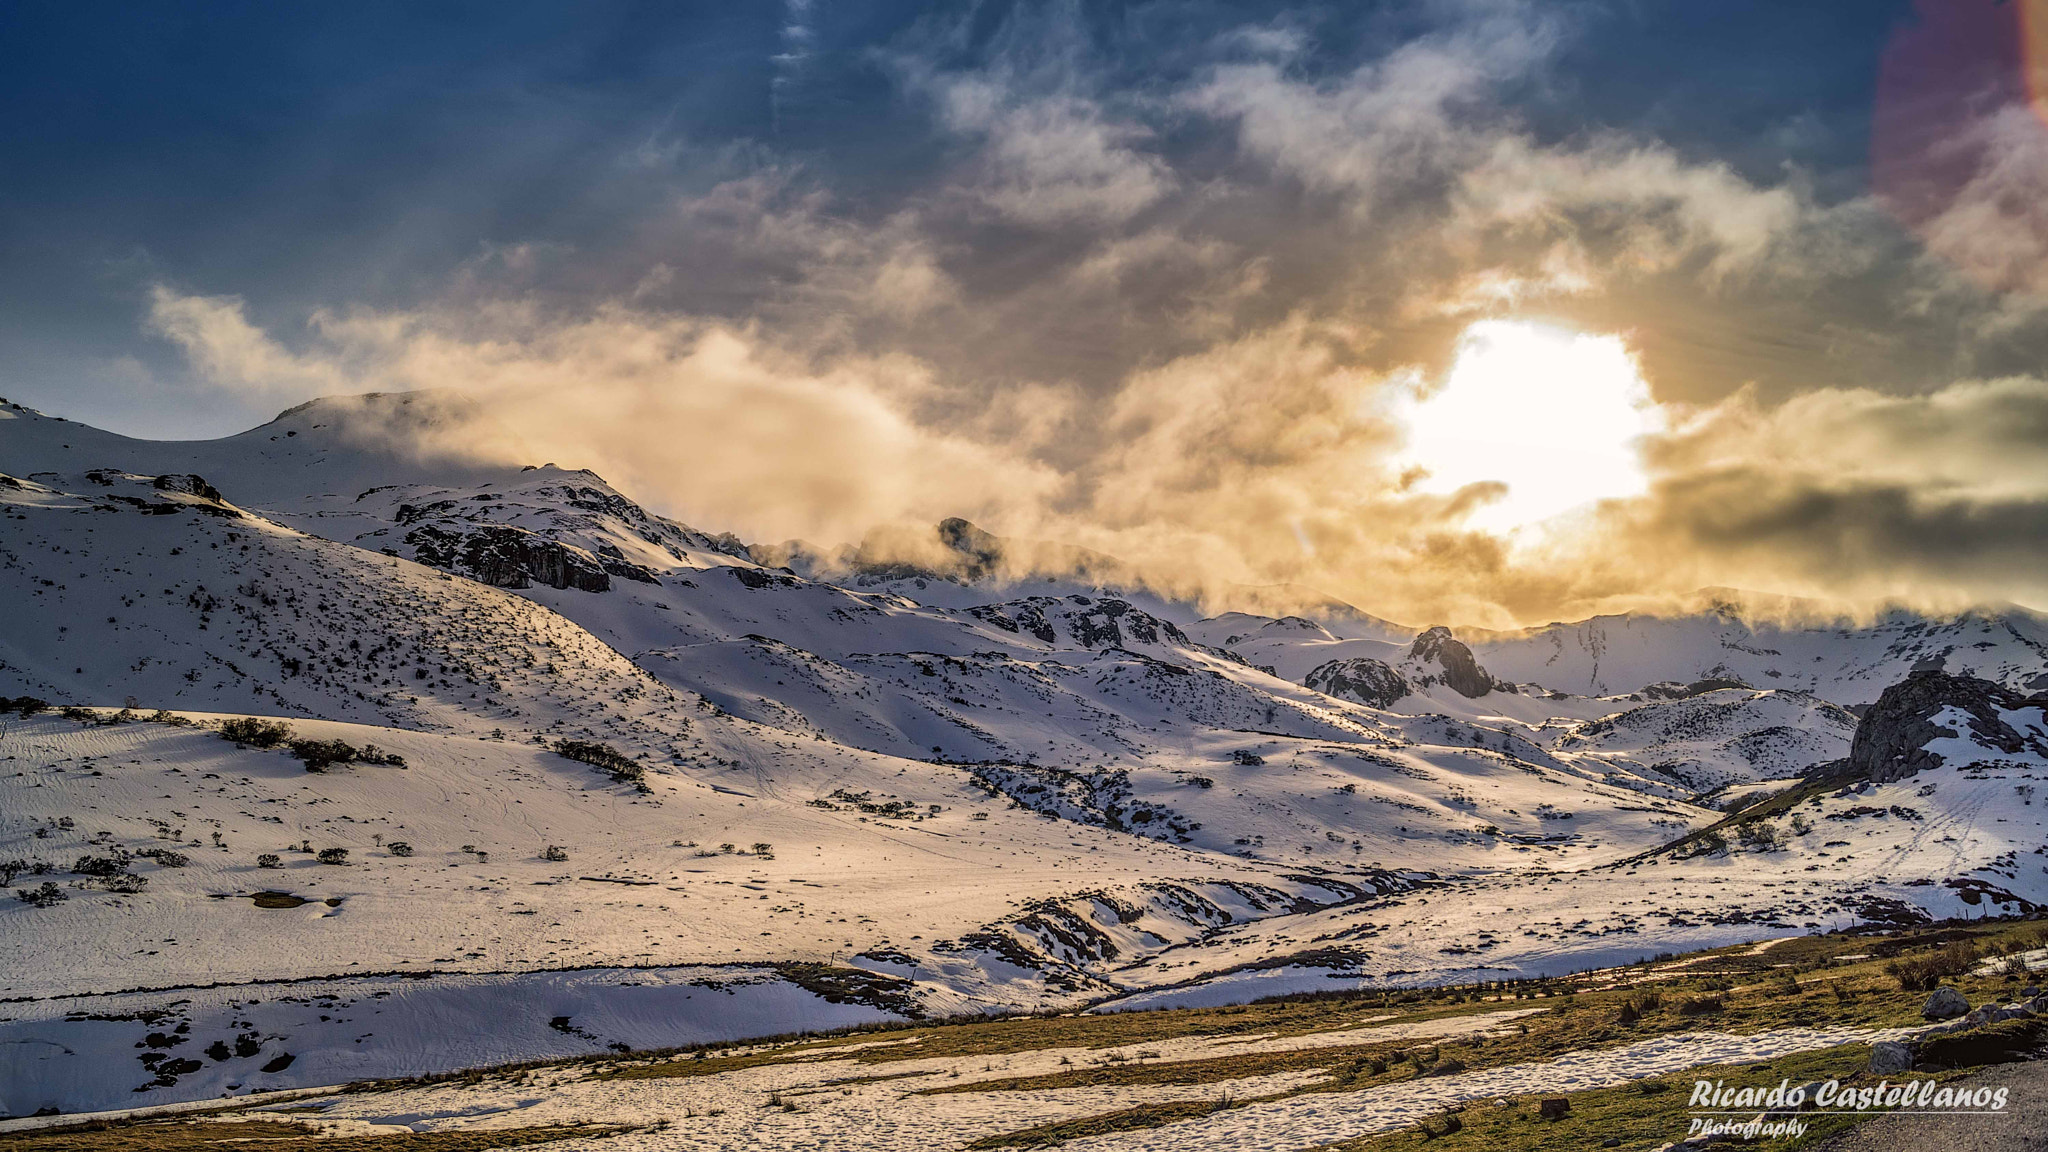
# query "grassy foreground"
(1868, 980)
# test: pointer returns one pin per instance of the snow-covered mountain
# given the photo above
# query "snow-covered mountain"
(1796, 646)
(915, 777)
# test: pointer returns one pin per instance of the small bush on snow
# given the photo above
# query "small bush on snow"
(612, 762)
(255, 733)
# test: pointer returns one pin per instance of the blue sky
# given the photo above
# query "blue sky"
(304, 156)
(1041, 234)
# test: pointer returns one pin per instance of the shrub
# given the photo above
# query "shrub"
(398, 848)
(26, 705)
(270, 860)
(9, 869)
(333, 856)
(554, 853)
(1759, 836)
(1701, 1005)
(99, 866)
(605, 758)
(1708, 843)
(160, 716)
(764, 849)
(124, 882)
(1925, 972)
(255, 733)
(42, 897)
(165, 857)
(320, 755)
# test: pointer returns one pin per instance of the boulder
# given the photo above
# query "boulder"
(1892, 741)
(188, 484)
(1370, 682)
(1889, 1057)
(1945, 1004)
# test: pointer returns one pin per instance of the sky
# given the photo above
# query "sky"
(1469, 311)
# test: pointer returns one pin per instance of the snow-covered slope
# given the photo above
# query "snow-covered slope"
(1838, 660)
(1720, 737)
(949, 785)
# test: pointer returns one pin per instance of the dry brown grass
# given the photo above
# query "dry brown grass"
(180, 1135)
(1128, 1119)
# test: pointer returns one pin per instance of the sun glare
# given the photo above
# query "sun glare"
(1553, 414)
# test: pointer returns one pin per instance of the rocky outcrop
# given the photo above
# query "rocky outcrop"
(1093, 622)
(509, 558)
(1373, 683)
(1437, 657)
(1891, 742)
(189, 484)
(1674, 690)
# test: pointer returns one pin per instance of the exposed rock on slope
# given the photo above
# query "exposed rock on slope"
(515, 558)
(1897, 737)
(1087, 621)
(1440, 658)
(1724, 736)
(1373, 683)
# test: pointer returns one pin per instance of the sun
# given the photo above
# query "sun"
(1555, 415)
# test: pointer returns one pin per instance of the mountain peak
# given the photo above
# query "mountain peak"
(1439, 657)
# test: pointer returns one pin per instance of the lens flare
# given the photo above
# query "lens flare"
(1959, 137)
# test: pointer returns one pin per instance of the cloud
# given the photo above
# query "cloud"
(1860, 494)
(1045, 146)
(1177, 321)
(1054, 159)
(230, 352)
(709, 420)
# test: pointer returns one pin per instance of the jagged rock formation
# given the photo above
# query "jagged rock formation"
(1373, 683)
(1674, 690)
(512, 558)
(1440, 658)
(188, 484)
(1091, 622)
(1892, 740)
